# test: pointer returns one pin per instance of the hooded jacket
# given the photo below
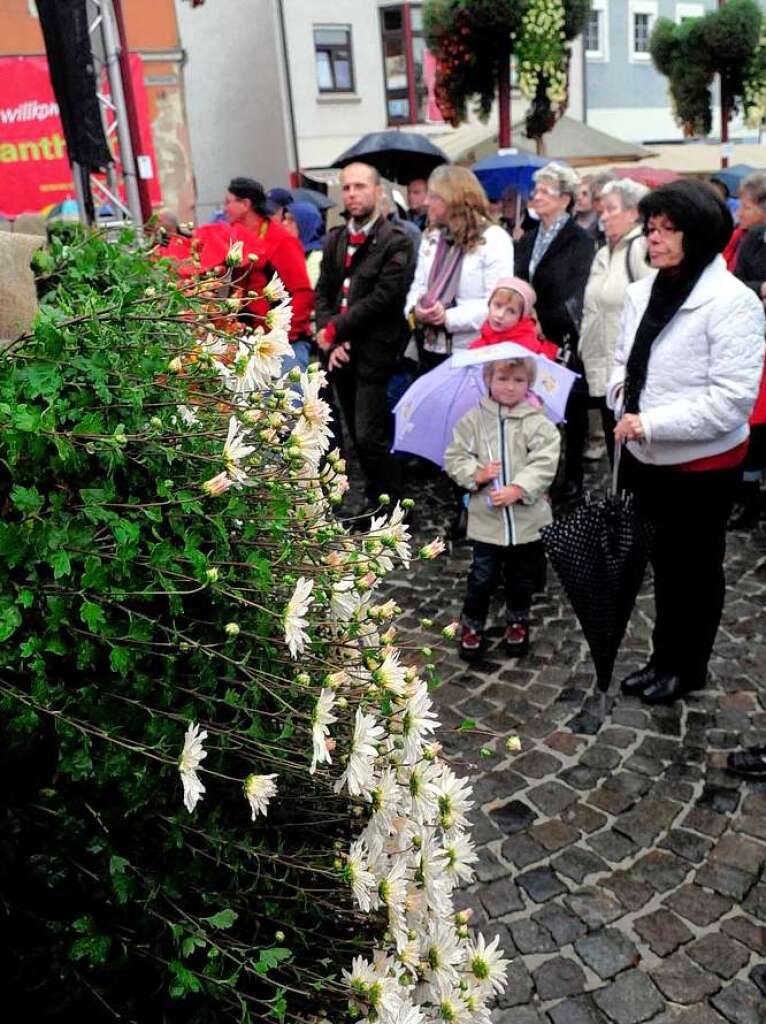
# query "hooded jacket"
(527, 445)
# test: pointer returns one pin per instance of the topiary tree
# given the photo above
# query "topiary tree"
(726, 42)
(223, 798)
(472, 41)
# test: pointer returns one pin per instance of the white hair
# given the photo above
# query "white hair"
(565, 179)
(630, 192)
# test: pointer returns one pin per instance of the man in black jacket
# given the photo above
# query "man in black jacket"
(366, 271)
(555, 258)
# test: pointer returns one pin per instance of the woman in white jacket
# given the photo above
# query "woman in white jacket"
(461, 257)
(617, 264)
(685, 377)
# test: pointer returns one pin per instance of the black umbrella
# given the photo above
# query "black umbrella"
(600, 552)
(313, 196)
(399, 156)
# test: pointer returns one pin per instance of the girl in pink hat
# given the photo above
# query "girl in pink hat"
(509, 318)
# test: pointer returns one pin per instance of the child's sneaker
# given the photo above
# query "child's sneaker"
(516, 639)
(471, 642)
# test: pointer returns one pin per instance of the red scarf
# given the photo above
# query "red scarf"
(523, 332)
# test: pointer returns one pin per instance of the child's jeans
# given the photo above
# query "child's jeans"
(521, 567)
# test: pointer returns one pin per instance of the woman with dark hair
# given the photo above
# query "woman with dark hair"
(685, 377)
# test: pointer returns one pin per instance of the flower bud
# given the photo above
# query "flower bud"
(408, 503)
(212, 575)
(231, 629)
(155, 422)
(176, 365)
(512, 744)
(384, 499)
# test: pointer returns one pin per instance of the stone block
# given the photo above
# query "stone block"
(630, 999)
(742, 928)
(552, 798)
(683, 982)
(741, 1003)
(719, 953)
(577, 864)
(500, 898)
(594, 907)
(563, 926)
(662, 931)
(531, 937)
(559, 977)
(607, 952)
(697, 905)
(726, 880)
(541, 884)
(513, 817)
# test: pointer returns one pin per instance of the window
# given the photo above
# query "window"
(687, 12)
(596, 32)
(332, 53)
(404, 55)
(643, 14)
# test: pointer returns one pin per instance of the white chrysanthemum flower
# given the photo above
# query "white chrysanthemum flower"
(452, 800)
(449, 1004)
(432, 550)
(314, 409)
(373, 986)
(409, 1014)
(417, 720)
(217, 485)
(235, 450)
(359, 774)
(188, 416)
(294, 616)
(441, 953)
(393, 533)
(486, 963)
(259, 789)
(275, 290)
(458, 854)
(279, 318)
(235, 255)
(344, 599)
(321, 718)
(432, 873)
(360, 878)
(192, 755)
(391, 675)
(392, 891)
(386, 799)
(419, 782)
(309, 442)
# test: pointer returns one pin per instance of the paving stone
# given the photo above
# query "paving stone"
(577, 1010)
(612, 846)
(616, 737)
(672, 789)
(630, 999)
(683, 982)
(686, 844)
(758, 977)
(750, 825)
(607, 952)
(551, 798)
(564, 743)
(662, 871)
(634, 718)
(601, 756)
(586, 723)
(643, 765)
(519, 1015)
(742, 928)
(483, 830)
(541, 884)
(610, 801)
(563, 926)
(577, 864)
(559, 977)
(741, 1003)
(497, 786)
(701, 1013)
(662, 931)
(500, 898)
(697, 905)
(531, 937)
(726, 880)
(522, 850)
(583, 817)
(755, 903)
(579, 776)
(488, 868)
(648, 819)
(536, 764)
(658, 747)
(632, 894)
(594, 907)
(554, 835)
(741, 853)
(718, 799)
(719, 954)
(702, 819)
(519, 987)
(513, 817)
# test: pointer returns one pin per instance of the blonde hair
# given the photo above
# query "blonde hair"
(468, 215)
(528, 364)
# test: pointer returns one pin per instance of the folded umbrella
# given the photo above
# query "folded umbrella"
(426, 414)
(600, 552)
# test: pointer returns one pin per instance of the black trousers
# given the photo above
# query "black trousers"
(365, 411)
(688, 511)
(608, 422)
(520, 566)
(575, 434)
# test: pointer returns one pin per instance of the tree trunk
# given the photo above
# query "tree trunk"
(725, 110)
(504, 96)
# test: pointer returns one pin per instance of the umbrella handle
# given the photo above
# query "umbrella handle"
(616, 467)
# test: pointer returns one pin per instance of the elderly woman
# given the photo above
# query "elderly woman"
(555, 258)
(461, 257)
(750, 267)
(617, 264)
(685, 376)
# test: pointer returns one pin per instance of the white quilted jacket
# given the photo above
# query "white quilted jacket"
(704, 369)
(480, 271)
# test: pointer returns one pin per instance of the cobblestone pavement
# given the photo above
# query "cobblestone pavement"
(622, 866)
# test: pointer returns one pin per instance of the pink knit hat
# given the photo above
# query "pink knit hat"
(515, 284)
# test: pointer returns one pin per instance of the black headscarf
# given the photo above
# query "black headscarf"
(694, 208)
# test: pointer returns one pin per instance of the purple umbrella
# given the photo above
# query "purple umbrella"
(426, 414)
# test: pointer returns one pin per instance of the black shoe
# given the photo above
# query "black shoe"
(667, 688)
(635, 684)
(750, 762)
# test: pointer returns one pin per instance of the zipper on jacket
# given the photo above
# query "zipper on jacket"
(510, 532)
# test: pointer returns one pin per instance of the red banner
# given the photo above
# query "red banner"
(34, 170)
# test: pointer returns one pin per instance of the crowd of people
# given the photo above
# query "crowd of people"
(624, 285)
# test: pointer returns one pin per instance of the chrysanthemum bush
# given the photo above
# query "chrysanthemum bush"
(225, 798)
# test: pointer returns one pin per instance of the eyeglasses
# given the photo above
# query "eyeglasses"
(664, 231)
(539, 191)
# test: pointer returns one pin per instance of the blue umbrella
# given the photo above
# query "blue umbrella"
(503, 170)
(732, 177)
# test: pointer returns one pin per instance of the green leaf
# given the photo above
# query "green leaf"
(271, 958)
(466, 725)
(60, 564)
(27, 499)
(26, 418)
(10, 620)
(223, 919)
(92, 615)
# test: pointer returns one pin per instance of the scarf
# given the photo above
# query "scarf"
(523, 332)
(443, 280)
(669, 292)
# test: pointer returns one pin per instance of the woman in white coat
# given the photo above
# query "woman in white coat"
(617, 264)
(685, 378)
(462, 256)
